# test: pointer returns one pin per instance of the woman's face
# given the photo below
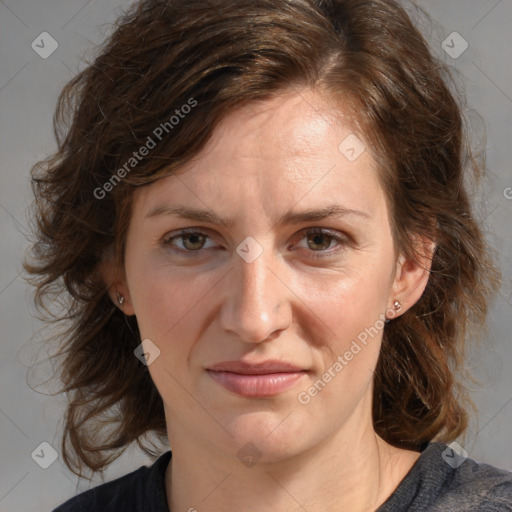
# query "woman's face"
(268, 313)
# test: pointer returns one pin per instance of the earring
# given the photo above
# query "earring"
(120, 298)
(397, 307)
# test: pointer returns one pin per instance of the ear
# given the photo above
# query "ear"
(411, 276)
(115, 281)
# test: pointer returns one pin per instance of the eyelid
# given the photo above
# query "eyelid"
(333, 233)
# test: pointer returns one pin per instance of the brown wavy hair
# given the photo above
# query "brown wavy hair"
(163, 55)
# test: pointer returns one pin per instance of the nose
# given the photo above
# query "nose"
(257, 300)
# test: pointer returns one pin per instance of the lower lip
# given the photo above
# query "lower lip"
(256, 385)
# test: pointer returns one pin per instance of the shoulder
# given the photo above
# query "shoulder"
(143, 489)
(446, 480)
(479, 486)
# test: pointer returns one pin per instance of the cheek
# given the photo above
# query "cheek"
(160, 293)
(348, 305)
(171, 307)
(348, 335)
(169, 303)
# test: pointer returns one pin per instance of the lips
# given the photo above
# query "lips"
(261, 368)
(263, 379)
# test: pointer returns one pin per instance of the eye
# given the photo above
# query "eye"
(319, 240)
(192, 241)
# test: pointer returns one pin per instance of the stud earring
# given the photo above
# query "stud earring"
(397, 307)
(120, 298)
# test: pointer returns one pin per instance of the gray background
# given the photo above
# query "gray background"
(29, 86)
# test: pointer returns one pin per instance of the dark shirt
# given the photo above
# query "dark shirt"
(435, 483)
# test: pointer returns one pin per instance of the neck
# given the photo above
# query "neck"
(355, 474)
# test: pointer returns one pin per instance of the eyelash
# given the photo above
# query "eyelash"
(340, 239)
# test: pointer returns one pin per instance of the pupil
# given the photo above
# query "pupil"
(317, 237)
(194, 239)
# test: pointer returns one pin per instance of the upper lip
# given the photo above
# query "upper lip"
(261, 368)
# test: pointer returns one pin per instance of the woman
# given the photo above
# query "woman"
(258, 212)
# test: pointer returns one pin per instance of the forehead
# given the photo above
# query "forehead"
(293, 123)
(289, 149)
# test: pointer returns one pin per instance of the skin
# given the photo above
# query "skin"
(261, 163)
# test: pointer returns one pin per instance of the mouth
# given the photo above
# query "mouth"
(264, 379)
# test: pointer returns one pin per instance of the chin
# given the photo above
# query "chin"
(271, 436)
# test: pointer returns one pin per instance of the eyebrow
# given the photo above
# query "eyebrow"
(291, 217)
